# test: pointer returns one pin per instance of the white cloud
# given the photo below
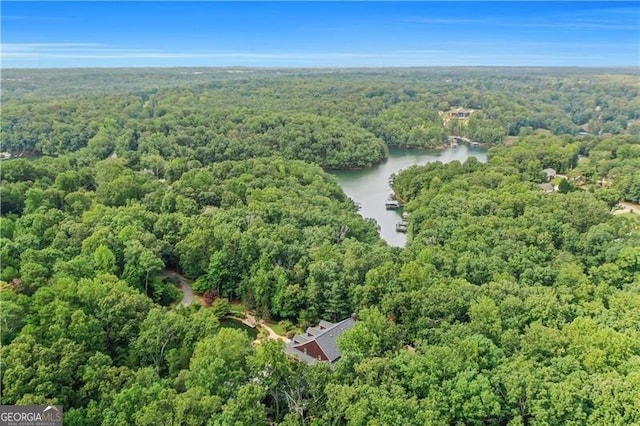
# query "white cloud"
(623, 19)
(24, 46)
(572, 25)
(37, 51)
(95, 54)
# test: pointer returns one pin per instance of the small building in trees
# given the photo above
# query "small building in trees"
(551, 173)
(460, 113)
(547, 187)
(319, 344)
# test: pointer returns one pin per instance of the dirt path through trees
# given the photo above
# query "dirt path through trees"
(628, 208)
(188, 297)
(271, 333)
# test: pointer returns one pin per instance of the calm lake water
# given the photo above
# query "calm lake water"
(370, 187)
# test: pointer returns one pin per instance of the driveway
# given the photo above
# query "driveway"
(626, 207)
(185, 286)
(187, 293)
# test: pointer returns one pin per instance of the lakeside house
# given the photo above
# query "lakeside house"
(319, 344)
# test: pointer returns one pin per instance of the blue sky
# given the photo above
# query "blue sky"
(317, 34)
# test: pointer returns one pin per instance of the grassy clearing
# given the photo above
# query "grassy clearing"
(237, 309)
(277, 327)
(634, 216)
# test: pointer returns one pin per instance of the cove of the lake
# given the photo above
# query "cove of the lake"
(370, 187)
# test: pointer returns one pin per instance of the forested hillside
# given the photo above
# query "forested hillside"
(509, 305)
(337, 119)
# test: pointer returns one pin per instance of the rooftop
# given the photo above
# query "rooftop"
(319, 343)
(546, 187)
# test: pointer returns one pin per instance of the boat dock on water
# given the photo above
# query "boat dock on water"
(392, 205)
(402, 226)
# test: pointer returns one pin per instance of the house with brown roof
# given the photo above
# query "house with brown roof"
(319, 344)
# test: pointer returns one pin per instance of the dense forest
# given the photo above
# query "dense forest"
(509, 305)
(338, 120)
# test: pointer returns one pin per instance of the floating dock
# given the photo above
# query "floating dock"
(392, 205)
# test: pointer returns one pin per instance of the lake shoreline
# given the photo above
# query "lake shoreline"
(370, 188)
(431, 150)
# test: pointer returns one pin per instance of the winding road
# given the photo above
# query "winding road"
(185, 286)
(188, 296)
(187, 293)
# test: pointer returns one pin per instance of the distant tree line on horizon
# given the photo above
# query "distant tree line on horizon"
(338, 120)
